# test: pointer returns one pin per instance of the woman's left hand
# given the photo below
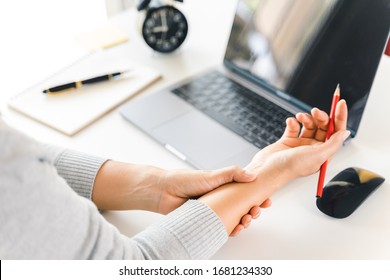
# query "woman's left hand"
(180, 185)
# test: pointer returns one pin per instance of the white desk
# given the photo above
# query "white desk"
(292, 228)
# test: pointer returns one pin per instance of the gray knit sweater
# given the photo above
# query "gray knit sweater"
(46, 211)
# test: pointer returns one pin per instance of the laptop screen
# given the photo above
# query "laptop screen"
(301, 49)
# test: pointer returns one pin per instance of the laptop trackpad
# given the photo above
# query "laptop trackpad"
(204, 143)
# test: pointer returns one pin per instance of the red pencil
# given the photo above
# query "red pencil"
(329, 132)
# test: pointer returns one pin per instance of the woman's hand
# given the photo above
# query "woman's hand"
(301, 150)
(178, 186)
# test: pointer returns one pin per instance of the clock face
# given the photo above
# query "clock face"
(164, 28)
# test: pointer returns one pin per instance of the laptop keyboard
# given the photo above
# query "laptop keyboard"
(239, 109)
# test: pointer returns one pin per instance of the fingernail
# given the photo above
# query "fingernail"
(250, 174)
(346, 134)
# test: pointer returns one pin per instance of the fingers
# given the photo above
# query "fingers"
(255, 212)
(341, 116)
(314, 125)
(309, 127)
(292, 128)
(246, 220)
(321, 119)
(232, 174)
(267, 203)
(244, 223)
(236, 230)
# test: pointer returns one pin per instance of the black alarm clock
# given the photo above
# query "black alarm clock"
(164, 27)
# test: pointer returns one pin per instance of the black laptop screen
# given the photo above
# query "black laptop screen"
(302, 49)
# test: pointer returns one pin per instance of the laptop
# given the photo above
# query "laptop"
(282, 57)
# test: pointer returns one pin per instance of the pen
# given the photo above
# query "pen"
(79, 84)
(329, 132)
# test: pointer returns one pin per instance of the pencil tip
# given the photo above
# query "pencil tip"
(337, 91)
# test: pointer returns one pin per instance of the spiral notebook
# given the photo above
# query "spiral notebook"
(71, 111)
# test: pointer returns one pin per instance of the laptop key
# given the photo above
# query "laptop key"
(224, 121)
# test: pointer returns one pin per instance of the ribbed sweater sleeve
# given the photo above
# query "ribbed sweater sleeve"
(79, 170)
(193, 231)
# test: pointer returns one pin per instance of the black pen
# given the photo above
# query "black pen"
(79, 84)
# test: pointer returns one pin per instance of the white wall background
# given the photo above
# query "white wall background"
(115, 6)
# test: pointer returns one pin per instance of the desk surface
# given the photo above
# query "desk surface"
(292, 228)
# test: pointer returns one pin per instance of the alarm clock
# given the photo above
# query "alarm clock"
(164, 26)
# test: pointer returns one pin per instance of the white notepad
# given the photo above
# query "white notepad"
(71, 111)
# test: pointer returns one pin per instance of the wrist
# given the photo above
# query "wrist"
(280, 166)
(231, 201)
(122, 186)
(142, 189)
(268, 181)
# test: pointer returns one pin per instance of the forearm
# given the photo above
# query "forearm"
(231, 201)
(111, 185)
(123, 186)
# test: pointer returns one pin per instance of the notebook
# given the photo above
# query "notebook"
(282, 57)
(71, 111)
